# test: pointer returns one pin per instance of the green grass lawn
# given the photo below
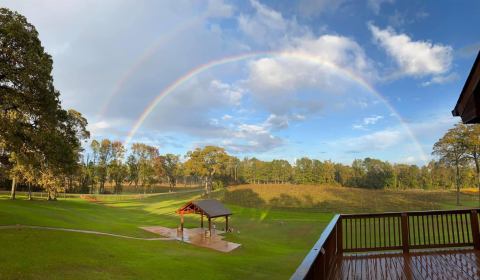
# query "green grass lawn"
(274, 239)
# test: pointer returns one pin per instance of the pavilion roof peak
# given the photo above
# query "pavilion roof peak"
(210, 207)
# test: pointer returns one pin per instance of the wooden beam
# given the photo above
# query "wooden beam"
(475, 229)
(405, 232)
(339, 228)
(201, 220)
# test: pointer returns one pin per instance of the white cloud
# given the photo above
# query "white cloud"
(100, 125)
(253, 138)
(372, 120)
(414, 58)
(375, 5)
(226, 117)
(108, 127)
(410, 160)
(317, 7)
(399, 19)
(434, 125)
(307, 63)
(442, 79)
(230, 93)
(267, 26)
(248, 137)
(311, 67)
(277, 122)
(218, 8)
(376, 141)
(367, 121)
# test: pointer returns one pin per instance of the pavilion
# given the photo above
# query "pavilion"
(208, 207)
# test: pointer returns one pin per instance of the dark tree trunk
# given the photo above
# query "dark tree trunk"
(14, 189)
(30, 192)
(457, 181)
(477, 169)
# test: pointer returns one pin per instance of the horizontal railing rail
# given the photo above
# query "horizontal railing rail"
(353, 233)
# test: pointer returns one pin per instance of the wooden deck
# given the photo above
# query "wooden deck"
(353, 246)
(445, 264)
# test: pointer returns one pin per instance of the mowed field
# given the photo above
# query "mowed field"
(336, 199)
(276, 225)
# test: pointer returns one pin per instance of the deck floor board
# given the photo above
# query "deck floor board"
(444, 264)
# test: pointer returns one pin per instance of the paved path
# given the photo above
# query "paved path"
(82, 231)
(196, 236)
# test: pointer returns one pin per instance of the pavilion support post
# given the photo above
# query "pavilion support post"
(181, 221)
(226, 223)
(201, 220)
(210, 225)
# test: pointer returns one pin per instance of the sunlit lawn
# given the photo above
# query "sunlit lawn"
(345, 200)
(274, 240)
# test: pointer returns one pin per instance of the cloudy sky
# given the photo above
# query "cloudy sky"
(336, 80)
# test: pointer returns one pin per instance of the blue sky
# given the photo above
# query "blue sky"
(332, 80)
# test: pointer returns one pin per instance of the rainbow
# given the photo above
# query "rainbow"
(283, 54)
(144, 58)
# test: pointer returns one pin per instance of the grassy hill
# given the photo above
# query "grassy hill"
(276, 225)
(273, 242)
(341, 199)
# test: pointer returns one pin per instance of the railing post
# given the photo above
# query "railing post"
(339, 236)
(475, 229)
(405, 233)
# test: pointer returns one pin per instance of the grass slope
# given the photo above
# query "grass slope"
(344, 200)
(276, 225)
(273, 241)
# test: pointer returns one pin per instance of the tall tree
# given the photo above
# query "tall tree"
(104, 157)
(451, 150)
(472, 142)
(117, 171)
(207, 163)
(145, 156)
(171, 164)
(132, 170)
(93, 164)
(34, 129)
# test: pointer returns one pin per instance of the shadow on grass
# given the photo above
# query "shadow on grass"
(244, 197)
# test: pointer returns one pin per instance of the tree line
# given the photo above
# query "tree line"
(143, 166)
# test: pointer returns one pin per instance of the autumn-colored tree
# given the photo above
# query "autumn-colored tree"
(35, 131)
(132, 171)
(207, 163)
(117, 171)
(451, 150)
(104, 157)
(472, 141)
(171, 166)
(144, 157)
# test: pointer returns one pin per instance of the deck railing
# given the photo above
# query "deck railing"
(351, 233)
